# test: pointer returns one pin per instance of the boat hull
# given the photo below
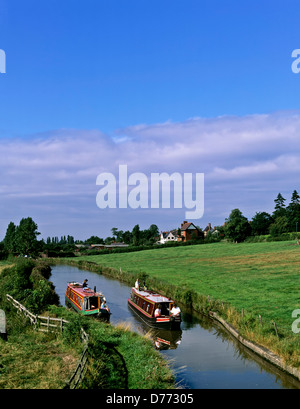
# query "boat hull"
(167, 323)
(86, 301)
(98, 313)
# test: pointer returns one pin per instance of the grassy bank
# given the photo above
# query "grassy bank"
(29, 359)
(119, 358)
(33, 360)
(250, 279)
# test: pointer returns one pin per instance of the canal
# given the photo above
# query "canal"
(202, 354)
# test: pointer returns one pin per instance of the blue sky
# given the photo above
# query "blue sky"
(194, 86)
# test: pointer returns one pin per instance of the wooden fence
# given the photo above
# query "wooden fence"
(49, 324)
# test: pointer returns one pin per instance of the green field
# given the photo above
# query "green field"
(260, 278)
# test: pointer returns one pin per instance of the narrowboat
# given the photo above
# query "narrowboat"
(144, 303)
(86, 301)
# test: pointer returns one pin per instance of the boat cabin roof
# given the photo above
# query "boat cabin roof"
(84, 291)
(152, 296)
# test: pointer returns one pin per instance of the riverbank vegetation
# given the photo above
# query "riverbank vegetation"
(29, 359)
(34, 360)
(118, 357)
(251, 285)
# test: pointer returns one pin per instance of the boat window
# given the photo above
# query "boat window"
(164, 309)
(143, 306)
(148, 307)
(93, 302)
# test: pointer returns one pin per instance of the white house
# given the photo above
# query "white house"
(166, 236)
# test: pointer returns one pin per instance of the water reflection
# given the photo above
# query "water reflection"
(162, 339)
(202, 354)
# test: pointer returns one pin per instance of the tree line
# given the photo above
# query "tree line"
(135, 237)
(22, 239)
(284, 219)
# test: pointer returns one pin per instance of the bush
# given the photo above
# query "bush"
(27, 283)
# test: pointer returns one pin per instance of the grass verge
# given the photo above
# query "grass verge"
(251, 285)
(118, 358)
(33, 360)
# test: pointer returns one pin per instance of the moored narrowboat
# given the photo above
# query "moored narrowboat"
(86, 301)
(145, 303)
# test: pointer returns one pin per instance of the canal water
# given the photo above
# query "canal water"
(202, 354)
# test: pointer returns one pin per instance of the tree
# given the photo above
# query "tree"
(154, 230)
(108, 240)
(119, 237)
(148, 236)
(261, 223)
(10, 238)
(26, 237)
(70, 240)
(136, 233)
(293, 212)
(280, 226)
(94, 240)
(237, 226)
(127, 237)
(280, 209)
(114, 231)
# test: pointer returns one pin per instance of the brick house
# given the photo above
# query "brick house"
(188, 231)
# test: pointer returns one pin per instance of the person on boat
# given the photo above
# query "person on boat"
(84, 284)
(104, 305)
(175, 311)
(137, 284)
(157, 312)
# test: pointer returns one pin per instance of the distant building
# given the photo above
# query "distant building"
(167, 236)
(208, 229)
(188, 231)
(101, 246)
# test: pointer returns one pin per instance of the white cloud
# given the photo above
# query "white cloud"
(258, 152)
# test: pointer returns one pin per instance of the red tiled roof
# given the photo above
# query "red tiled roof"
(186, 226)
